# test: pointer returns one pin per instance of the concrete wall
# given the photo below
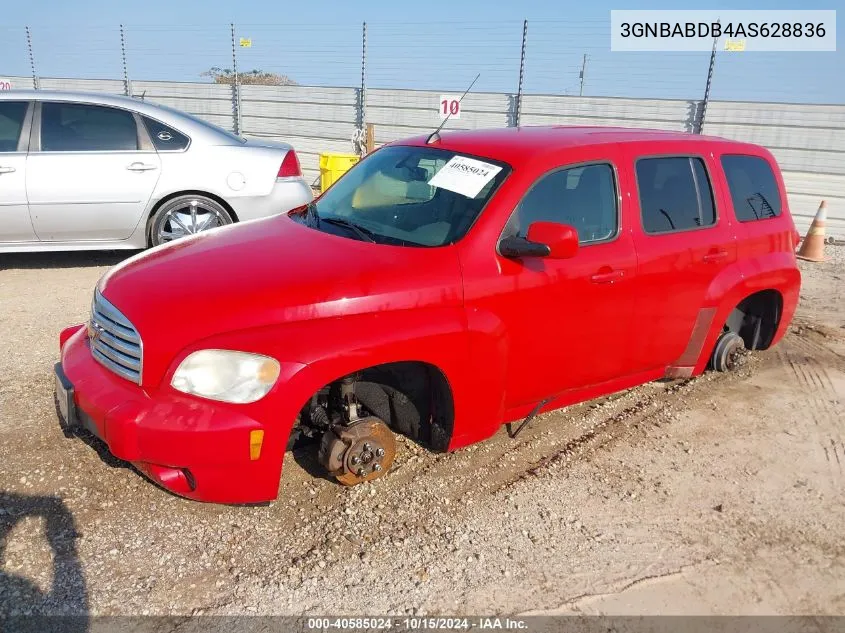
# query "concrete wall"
(212, 102)
(398, 114)
(664, 114)
(807, 140)
(89, 85)
(313, 120)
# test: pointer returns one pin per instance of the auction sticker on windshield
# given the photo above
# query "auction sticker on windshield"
(463, 175)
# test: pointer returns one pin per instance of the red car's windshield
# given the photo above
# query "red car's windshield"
(413, 196)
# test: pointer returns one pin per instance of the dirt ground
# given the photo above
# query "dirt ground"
(720, 495)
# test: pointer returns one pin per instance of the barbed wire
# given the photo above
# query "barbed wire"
(561, 57)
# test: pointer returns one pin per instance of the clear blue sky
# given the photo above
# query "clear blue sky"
(435, 44)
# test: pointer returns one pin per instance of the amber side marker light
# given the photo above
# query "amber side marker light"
(256, 439)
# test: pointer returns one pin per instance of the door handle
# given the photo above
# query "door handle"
(7, 170)
(140, 167)
(715, 257)
(607, 277)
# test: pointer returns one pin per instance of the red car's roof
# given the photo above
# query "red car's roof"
(516, 144)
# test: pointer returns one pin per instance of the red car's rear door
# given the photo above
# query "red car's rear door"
(684, 238)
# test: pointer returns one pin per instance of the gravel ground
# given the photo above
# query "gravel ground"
(719, 495)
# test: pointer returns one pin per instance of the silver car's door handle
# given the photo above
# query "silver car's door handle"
(7, 170)
(140, 167)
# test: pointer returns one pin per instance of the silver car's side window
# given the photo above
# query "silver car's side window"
(12, 117)
(78, 127)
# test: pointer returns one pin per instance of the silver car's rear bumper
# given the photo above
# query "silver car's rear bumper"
(287, 194)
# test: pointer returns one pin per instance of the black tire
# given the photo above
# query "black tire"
(729, 349)
(186, 215)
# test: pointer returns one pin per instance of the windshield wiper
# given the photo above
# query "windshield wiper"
(311, 212)
(365, 234)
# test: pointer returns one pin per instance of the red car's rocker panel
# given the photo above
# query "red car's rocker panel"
(552, 266)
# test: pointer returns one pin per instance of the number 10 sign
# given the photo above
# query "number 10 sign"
(449, 107)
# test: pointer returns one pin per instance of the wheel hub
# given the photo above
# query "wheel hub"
(729, 352)
(361, 451)
(190, 219)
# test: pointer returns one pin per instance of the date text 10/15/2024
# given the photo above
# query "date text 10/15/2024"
(417, 624)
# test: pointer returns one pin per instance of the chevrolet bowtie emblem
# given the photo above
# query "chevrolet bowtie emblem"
(95, 331)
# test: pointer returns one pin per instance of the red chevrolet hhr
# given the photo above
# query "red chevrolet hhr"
(445, 286)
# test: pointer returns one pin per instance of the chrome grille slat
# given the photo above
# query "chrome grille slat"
(122, 331)
(122, 345)
(121, 359)
(109, 311)
(114, 367)
(115, 343)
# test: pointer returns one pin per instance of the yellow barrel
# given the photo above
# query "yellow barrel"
(333, 166)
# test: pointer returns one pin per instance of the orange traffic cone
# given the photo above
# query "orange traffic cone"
(812, 248)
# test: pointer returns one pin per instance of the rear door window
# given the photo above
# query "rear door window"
(675, 194)
(12, 114)
(754, 190)
(79, 127)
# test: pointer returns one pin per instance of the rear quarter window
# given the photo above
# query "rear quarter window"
(753, 187)
(164, 137)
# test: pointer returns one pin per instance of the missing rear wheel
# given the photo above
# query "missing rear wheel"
(729, 352)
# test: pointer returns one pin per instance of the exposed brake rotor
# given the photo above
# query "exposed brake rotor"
(729, 353)
(358, 452)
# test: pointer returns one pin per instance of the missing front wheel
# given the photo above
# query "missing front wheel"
(357, 452)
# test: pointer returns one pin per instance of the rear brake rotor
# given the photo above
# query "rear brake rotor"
(729, 352)
(359, 452)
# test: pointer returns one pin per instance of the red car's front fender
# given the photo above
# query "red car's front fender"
(325, 350)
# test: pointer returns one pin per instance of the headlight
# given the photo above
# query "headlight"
(226, 375)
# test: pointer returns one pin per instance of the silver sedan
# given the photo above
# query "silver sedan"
(92, 171)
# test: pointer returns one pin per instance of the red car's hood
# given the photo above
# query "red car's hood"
(268, 272)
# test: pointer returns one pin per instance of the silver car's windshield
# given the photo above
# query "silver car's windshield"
(409, 196)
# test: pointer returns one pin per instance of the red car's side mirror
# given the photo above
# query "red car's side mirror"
(561, 239)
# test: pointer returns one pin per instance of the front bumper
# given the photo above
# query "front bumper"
(192, 447)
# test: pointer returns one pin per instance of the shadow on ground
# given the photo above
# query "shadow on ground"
(305, 455)
(71, 259)
(24, 606)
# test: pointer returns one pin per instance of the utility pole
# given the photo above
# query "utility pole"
(582, 74)
(700, 126)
